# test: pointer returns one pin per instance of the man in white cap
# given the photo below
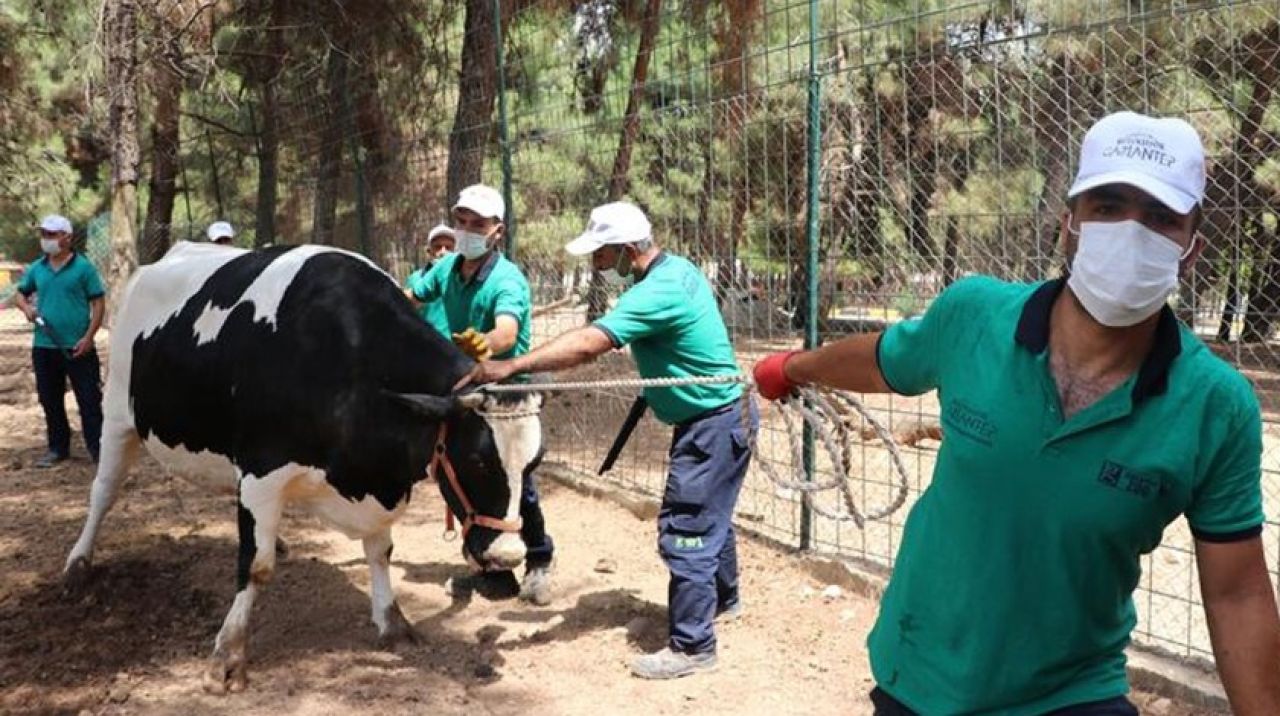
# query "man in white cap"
(481, 299)
(440, 243)
(670, 318)
(69, 300)
(220, 232)
(1081, 418)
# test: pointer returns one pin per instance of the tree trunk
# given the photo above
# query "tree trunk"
(477, 90)
(618, 180)
(122, 116)
(1232, 307)
(921, 167)
(1069, 90)
(326, 206)
(734, 60)
(167, 86)
(1262, 54)
(1261, 318)
(269, 137)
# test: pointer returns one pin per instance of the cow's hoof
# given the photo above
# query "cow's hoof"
(225, 675)
(76, 576)
(282, 549)
(399, 631)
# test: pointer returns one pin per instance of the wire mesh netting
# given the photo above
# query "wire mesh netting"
(948, 136)
(934, 139)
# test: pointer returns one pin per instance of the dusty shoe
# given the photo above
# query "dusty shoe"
(490, 585)
(668, 664)
(731, 613)
(50, 459)
(537, 586)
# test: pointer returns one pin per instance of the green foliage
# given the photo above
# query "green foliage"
(940, 145)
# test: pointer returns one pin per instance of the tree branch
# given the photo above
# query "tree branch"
(219, 125)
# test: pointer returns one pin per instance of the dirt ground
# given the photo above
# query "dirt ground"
(135, 641)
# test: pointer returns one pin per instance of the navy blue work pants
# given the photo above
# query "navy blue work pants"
(708, 461)
(53, 368)
(886, 705)
(533, 529)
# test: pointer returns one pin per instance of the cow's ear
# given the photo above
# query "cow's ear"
(434, 407)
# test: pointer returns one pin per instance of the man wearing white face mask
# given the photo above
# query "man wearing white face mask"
(482, 300)
(670, 318)
(67, 313)
(1080, 419)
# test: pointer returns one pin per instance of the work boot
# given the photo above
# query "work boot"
(490, 585)
(537, 585)
(731, 613)
(668, 664)
(50, 459)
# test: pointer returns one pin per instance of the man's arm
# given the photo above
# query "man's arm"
(97, 307)
(24, 304)
(847, 364)
(503, 336)
(564, 351)
(1244, 626)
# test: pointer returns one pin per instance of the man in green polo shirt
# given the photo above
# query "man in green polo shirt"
(1079, 419)
(67, 310)
(478, 287)
(440, 244)
(481, 299)
(670, 319)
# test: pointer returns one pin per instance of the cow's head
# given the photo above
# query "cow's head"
(493, 442)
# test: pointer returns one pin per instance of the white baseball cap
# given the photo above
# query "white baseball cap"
(1161, 156)
(440, 230)
(617, 223)
(483, 200)
(56, 222)
(219, 229)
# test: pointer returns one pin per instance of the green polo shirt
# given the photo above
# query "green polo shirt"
(497, 288)
(432, 311)
(62, 298)
(673, 325)
(1012, 591)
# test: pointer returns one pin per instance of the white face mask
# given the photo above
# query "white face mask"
(50, 246)
(613, 277)
(470, 244)
(1123, 272)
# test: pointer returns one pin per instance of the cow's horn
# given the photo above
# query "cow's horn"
(425, 404)
(471, 400)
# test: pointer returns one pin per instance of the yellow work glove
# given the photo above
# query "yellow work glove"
(473, 343)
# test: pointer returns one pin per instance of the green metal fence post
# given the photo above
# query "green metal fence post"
(364, 213)
(813, 137)
(503, 138)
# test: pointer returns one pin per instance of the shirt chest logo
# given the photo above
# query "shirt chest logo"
(970, 422)
(1130, 481)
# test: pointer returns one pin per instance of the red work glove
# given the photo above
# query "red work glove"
(771, 381)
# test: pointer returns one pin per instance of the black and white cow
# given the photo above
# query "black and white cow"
(302, 375)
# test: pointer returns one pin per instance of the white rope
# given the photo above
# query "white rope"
(823, 410)
(613, 383)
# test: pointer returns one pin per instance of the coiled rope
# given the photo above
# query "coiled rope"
(826, 411)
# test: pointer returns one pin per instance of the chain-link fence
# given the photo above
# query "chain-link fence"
(946, 137)
(829, 181)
